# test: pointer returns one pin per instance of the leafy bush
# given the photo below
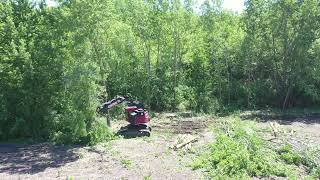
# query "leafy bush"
(75, 131)
(99, 132)
(311, 159)
(289, 156)
(19, 128)
(239, 152)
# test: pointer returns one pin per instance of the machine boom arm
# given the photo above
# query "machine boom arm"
(109, 104)
(103, 108)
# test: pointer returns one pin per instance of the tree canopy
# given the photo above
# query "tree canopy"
(57, 63)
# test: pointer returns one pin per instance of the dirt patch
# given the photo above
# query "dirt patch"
(139, 158)
(15, 159)
(121, 159)
(180, 125)
(302, 132)
(136, 158)
(150, 157)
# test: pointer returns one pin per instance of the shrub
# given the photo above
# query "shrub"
(311, 159)
(239, 152)
(289, 156)
(99, 132)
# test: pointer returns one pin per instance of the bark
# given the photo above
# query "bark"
(148, 69)
(108, 121)
(174, 69)
(285, 102)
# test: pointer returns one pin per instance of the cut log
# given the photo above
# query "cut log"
(183, 141)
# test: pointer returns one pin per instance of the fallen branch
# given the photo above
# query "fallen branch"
(183, 141)
(271, 139)
(178, 146)
(274, 129)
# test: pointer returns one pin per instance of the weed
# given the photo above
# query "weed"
(70, 178)
(107, 145)
(114, 152)
(127, 163)
(147, 177)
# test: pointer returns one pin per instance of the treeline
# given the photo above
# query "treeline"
(57, 63)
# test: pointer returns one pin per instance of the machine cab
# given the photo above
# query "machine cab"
(137, 116)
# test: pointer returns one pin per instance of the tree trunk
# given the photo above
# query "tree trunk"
(108, 120)
(285, 102)
(286, 61)
(228, 74)
(174, 69)
(157, 65)
(148, 69)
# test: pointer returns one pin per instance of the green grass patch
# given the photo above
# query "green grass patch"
(147, 177)
(127, 163)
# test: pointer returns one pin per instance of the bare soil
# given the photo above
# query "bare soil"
(139, 158)
(301, 131)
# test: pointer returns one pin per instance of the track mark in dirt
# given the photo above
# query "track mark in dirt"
(151, 157)
(136, 158)
(178, 125)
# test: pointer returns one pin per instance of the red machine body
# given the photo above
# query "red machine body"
(137, 116)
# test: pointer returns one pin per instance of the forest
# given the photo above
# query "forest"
(58, 63)
(227, 94)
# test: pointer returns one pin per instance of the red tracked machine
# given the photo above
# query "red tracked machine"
(136, 115)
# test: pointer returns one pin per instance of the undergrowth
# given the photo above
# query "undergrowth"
(287, 154)
(308, 159)
(100, 133)
(311, 159)
(239, 152)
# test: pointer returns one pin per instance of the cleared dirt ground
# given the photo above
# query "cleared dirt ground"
(142, 158)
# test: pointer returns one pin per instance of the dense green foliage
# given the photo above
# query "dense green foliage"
(289, 156)
(239, 152)
(57, 63)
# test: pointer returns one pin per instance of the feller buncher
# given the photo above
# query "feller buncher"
(137, 116)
